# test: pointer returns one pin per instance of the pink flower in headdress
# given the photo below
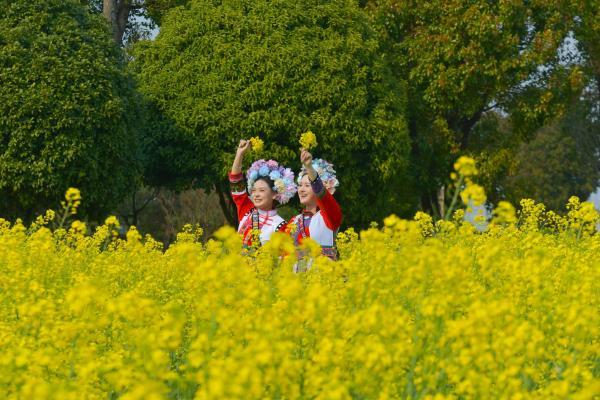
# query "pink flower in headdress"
(283, 178)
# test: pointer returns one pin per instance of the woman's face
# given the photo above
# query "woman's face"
(262, 195)
(305, 192)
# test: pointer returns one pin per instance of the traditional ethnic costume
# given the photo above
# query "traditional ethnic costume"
(253, 220)
(323, 225)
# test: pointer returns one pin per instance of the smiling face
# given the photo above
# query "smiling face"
(305, 193)
(263, 196)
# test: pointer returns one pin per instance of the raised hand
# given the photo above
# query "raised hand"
(243, 147)
(306, 158)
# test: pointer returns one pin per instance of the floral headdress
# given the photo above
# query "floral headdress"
(283, 178)
(325, 171)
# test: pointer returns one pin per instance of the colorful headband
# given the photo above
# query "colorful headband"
(325, 171)
(283, 178)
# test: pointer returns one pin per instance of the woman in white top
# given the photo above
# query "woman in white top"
(322, 215)
(266, 185)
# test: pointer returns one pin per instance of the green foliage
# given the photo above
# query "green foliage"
(462, 55)
(494, 143)
(67, 107)
(274, 69)
(561, 161)
(156, 9)
(463, 58)
(587, 33)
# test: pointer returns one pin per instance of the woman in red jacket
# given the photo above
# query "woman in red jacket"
(266, 185)
(322, 216)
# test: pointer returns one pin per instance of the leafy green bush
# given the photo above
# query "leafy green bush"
(68, 109)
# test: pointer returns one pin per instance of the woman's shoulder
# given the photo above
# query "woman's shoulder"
(249, 212)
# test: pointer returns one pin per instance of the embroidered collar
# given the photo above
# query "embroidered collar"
(265, 213)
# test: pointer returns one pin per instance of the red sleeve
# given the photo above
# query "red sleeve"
(243, 204)
(330, 210)
(240, 195)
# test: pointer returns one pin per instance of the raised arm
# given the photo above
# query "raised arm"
(330, 209)
(238, 185)
(242, 149)
(306, 159)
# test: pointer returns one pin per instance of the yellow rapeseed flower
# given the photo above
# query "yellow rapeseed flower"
(473, 193)
(465, 166)
(308, 140)
(509, 312)
(78, 227)
(112, 221)
(504, 213)
(257, 144)
(73, 195)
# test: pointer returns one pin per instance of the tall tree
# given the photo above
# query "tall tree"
(587, 34)
(230, 69)
(67, 109)
(117, 13)
(562, 160)
(463, 58)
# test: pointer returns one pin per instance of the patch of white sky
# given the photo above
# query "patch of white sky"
(154, 32)
(151, 32)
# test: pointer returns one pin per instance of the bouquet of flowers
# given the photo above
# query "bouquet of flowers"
(308, 140)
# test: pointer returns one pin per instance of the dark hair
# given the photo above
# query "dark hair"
(267, 180)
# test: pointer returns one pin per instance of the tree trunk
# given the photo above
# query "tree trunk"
(464, 126)
(441, 198)
(117, 14)
(226, 205)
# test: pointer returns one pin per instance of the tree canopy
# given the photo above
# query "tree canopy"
(395, 91)
(67, 107)
(463, 58)
(231, 69)
(561, 161)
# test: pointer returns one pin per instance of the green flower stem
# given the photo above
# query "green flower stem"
(454, 198)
